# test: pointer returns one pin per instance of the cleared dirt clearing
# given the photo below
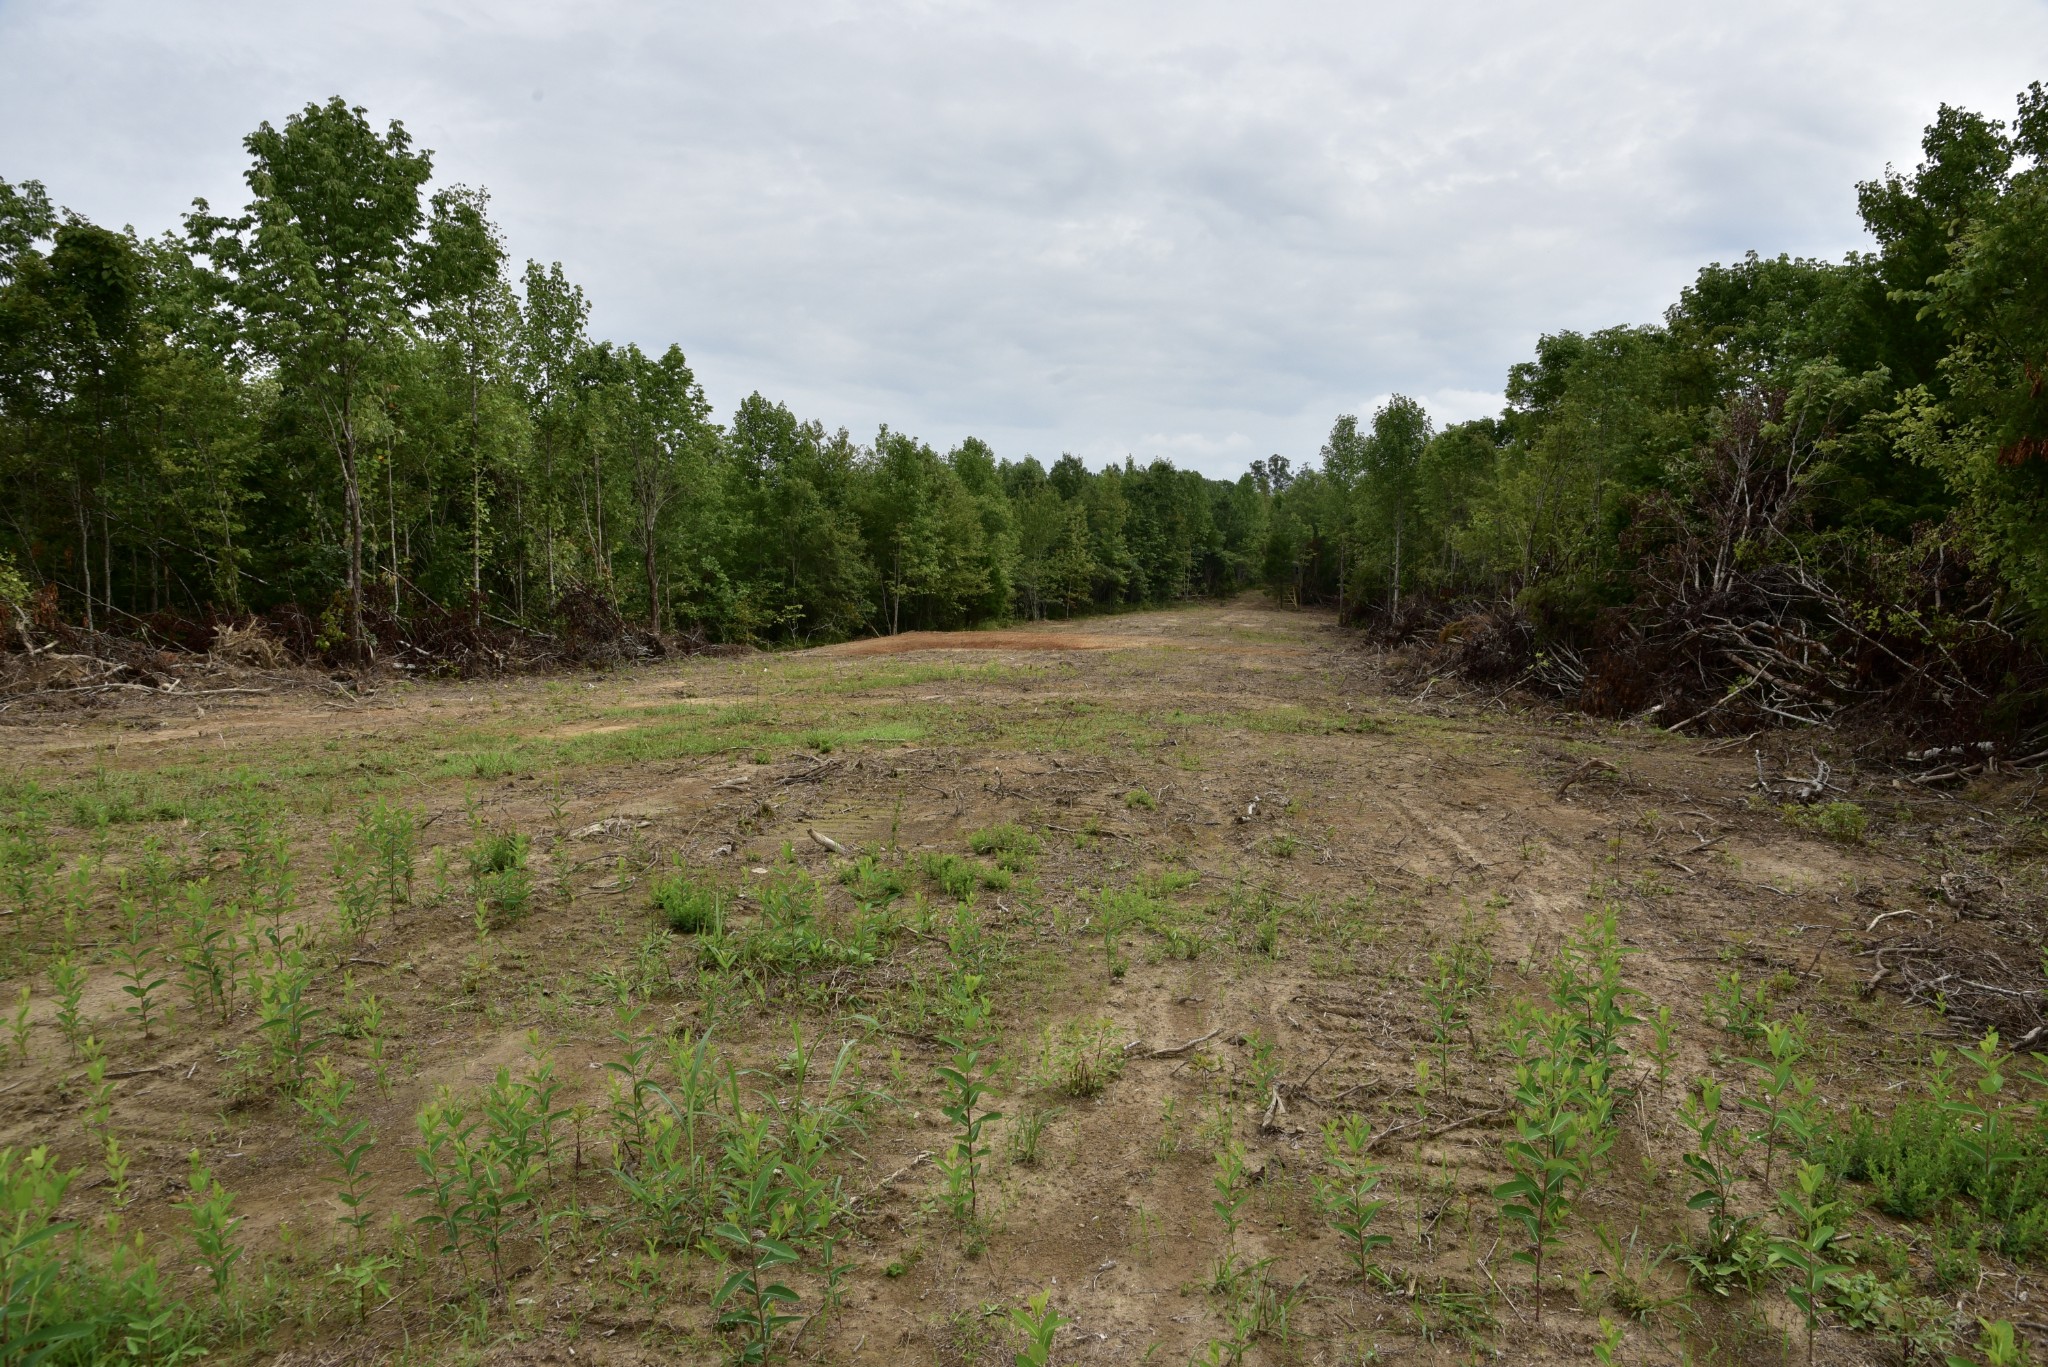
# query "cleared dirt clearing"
(1209, 873)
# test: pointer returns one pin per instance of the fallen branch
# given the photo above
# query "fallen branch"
(1179, 1049)
(891, 1179)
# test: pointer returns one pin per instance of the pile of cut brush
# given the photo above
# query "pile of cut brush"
(51, 661)
(1740, 618)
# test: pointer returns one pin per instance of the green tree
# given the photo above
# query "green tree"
(321, 271)
(1389, 460)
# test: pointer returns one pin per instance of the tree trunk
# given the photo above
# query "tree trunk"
(648, 517)
(1394, 615)
(476, 510)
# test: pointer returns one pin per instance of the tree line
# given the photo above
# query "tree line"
(344, 398)
(1812, 480)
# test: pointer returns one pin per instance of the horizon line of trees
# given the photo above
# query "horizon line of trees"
(342, 398)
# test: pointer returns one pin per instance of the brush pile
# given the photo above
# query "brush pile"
(56, 662)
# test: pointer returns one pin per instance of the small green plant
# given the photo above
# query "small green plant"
(1562, 1107)
(1663, 1045)
(1081, 1059)
(1730, 1009)
(1231, 1188)
(1346, 1194)
(960, 877)
(687, 906)
(2000, 1344)
(287, 1018)
(1456, 979)
(967, 1081)
(1026, 1134)
(1283, 846)
(391, 836)
(1733, 1251)
(18, 1024)
(1139, 800)
(140, 973)
(874, 884)
(210, 1210)
(1843, 821)
(1038, 1324)
(347, 1142)
(1009, 844)
(356, 894)
(755, 1241)
(1608, 1344)
(1807, 1256)
(1782, 1099)
(67, 980)
(499, 879)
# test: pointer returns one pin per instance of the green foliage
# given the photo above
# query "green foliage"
(69, 1299)
(1563, 1107)
(1012, 846)
(959, 877)
(1081, 1058)
(1843, 821)
(1037, 1323)
(874, 884)
(346, 1140)
(1346, 1192)
(499, 881)
(210, 1209)
(1932, 1153)
(687, 906)
(965, 1078)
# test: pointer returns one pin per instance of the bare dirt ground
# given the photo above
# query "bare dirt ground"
(1277, 844)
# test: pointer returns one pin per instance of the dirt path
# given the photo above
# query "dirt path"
(1285, 853)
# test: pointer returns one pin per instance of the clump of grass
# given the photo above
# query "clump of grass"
(874, 884)
(688, 907)
(1025, 1137)
(1082, 1059)
(1138, 800)
(499, 879)
(959, 877)
(1843, 821)
(1009, 844)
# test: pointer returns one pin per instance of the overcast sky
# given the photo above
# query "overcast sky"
(1190, 230)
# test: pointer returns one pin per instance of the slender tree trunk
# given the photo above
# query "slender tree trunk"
(648, 517)
(476, 510)
(84, 544)
(391, 513)
(352, 494)
(1396, 611)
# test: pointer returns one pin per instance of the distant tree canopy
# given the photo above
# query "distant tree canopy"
(343, 397)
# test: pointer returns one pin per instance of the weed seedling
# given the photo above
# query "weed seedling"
(1561, 1129)
(18, 1026)
(1782, 1098)
(211, 1210)
(968, 1084)
(67, 980)
(1038, 1324)
(346, 1141)
(1346, 1194)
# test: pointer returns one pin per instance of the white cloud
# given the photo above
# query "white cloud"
(1197, 230)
